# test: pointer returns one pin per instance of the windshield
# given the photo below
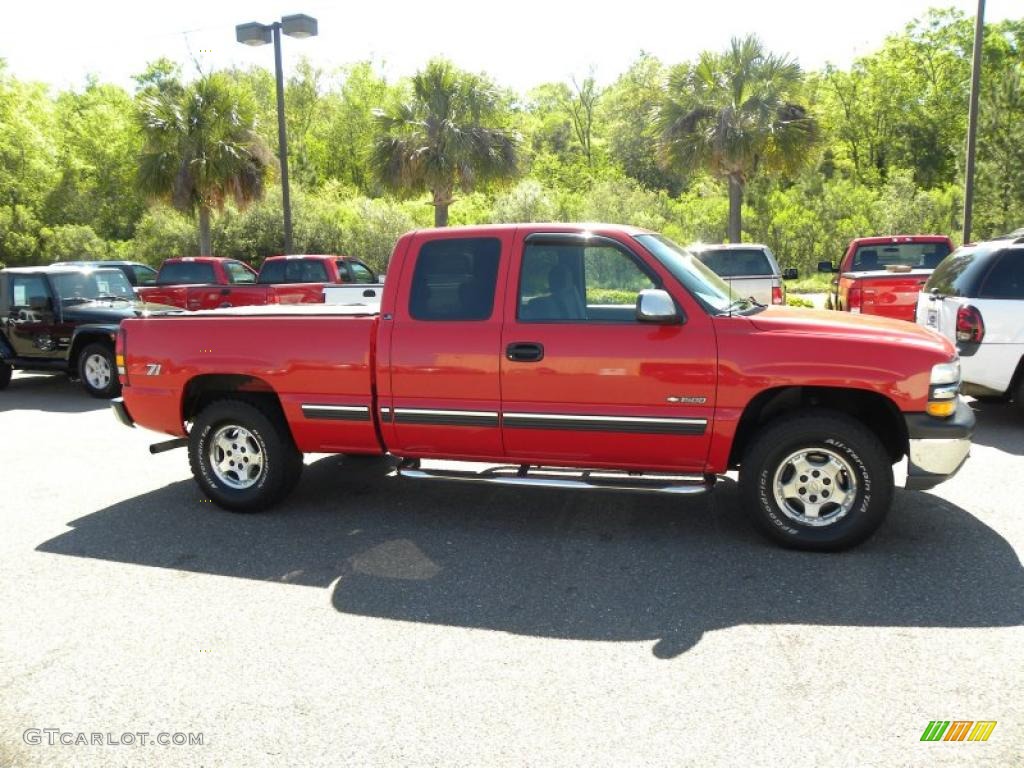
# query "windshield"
(90, 285)
(705, 286)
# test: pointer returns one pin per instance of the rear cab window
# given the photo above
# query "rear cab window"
(868, 258)
(454, 279)
(737, 262)
(186, 273)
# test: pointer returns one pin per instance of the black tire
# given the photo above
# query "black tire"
(5, 375)
(91, 355)
(268, 438)
(1018, 395)
(819, 434)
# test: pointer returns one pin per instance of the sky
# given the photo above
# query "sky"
(520, 44)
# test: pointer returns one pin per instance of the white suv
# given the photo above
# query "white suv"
(975, 298)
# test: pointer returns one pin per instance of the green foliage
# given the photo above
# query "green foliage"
(446, 135)
(811, 282)
(73, 242)
(610, 296)
(796, 301)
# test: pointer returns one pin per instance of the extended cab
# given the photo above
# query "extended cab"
(883, 275)
(603, 357)
(211, 282)
(64, 319)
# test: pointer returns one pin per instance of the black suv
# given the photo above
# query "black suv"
(65, 319)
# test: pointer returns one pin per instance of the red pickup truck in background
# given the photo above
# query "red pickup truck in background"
(883, 275)
(585, 358)
(211, 282)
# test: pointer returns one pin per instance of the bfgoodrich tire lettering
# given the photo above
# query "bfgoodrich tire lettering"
(867, 471)
(281, 462)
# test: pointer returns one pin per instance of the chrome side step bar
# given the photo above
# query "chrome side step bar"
(586, 480)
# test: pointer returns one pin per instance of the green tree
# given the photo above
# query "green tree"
(448, 135)
(201, 149)
(733, 115)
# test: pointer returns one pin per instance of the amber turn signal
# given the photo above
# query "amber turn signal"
(941, 408)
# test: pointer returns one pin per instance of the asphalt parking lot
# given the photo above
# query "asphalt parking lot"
(372, 620)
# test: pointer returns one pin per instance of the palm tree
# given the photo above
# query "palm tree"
(731, 114)
(444, 137)
(201, 148)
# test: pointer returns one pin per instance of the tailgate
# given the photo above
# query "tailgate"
(890, 294)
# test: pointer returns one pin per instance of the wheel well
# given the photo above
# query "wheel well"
(877, 412)
(203, 390)
(1015, 382)
(82, 340)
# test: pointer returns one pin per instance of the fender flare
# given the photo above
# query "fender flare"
(105, 331)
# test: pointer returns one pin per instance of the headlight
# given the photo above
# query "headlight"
(943, 388)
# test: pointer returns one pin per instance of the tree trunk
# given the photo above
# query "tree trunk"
(735, 208)
(442, 199)
(204, 232)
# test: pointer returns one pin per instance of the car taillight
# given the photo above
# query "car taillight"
(778, 297)
(120, 354)
(970, 328)
(854, 299)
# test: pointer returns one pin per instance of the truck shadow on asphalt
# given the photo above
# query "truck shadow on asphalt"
(55, 393)
(1000, 426)
(600, 566)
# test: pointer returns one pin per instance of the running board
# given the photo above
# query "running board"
(587, 480)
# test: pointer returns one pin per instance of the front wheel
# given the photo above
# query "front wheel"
(816, 480)
(242, 456)
(5, 374)
(97, 371)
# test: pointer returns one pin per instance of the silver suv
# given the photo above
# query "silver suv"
(750, 270)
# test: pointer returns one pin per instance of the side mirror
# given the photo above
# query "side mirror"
(792, 273)
(656, 306)
(40, 303)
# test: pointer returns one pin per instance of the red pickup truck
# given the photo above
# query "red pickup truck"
(603, 357)
(211, 282)
(883, 275)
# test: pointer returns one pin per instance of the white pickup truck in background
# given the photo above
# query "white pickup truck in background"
(353, 294)
(749, 269)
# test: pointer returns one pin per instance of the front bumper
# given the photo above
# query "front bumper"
(121, 412)
(938, 447)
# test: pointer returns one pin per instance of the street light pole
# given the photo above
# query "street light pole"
(282, 139)
(297, 25)
(972, 121)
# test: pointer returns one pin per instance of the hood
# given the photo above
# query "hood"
(829, 324)
(113, 311)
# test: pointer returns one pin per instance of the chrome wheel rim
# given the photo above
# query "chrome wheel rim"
(815, 487)
(97, 371)
(236, 457)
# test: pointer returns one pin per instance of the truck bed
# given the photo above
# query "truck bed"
(317, 358)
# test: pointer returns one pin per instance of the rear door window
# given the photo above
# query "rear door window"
(272, 272)
(362, 273)
(24, 288)
(1006, 278)
(455, 279)
(737, 262)
(239, 274)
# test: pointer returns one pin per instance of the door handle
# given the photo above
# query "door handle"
(525, 352)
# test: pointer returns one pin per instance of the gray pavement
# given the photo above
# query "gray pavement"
(374, 621)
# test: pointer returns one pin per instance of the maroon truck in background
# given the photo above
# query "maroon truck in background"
(212, 282)
(883, 275)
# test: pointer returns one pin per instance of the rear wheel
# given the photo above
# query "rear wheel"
(242, 456)
(816, 480)
(97, 371)
(5, 375)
